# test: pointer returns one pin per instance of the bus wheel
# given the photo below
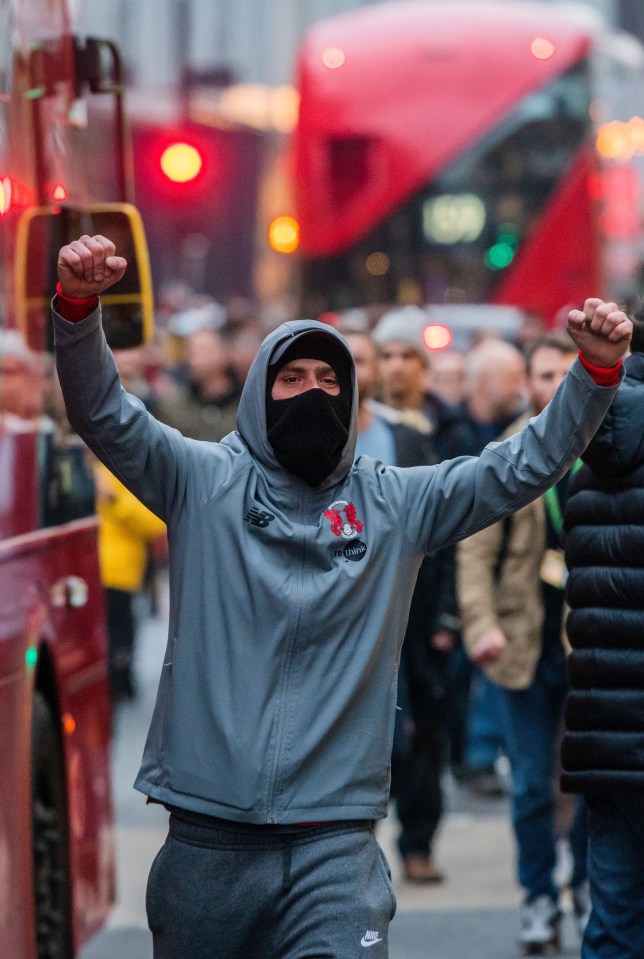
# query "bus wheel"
(49, 836)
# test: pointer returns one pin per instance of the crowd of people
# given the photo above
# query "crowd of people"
(482, 670)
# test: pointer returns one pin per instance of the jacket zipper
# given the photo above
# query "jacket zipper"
(284, 688)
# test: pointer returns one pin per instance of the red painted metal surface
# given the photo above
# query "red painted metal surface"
(52, 620)
(35, 614)
(18, 476)
(420, 83)
(559, 265)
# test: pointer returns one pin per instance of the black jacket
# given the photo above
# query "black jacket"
(604, 542)
(434, 605)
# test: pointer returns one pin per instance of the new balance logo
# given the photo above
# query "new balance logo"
(370, 938)
(258, 517)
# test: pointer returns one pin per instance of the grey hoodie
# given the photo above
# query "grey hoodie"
(288, 604)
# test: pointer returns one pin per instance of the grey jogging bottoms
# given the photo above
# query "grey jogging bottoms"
(262, 892)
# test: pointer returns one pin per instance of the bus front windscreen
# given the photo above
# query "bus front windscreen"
(457, 239)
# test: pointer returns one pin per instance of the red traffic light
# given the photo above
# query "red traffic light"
(181, 162)
(14, 194)
(6, 197)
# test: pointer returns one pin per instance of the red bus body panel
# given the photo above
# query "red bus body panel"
(376, 102)
(559, 266)
(34, 614)
(53, 635)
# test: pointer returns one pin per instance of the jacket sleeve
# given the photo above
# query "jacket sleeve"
(443, 504)
(477, 558)
(152, 460)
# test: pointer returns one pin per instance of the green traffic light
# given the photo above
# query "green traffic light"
(499, 256)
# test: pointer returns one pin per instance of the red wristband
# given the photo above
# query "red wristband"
(75, 308)
(602, 375)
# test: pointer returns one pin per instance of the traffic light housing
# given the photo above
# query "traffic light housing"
(176, 164)
(196, 187)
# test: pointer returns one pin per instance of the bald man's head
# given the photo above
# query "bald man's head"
(495, 380)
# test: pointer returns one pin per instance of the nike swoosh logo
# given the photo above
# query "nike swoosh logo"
(369, 942)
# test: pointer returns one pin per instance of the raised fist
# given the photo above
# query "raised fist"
(601, 331)
(88, 266)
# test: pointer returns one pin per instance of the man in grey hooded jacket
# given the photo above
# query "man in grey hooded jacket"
(291, 574)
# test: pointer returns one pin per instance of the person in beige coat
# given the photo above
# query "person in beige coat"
(511, 579)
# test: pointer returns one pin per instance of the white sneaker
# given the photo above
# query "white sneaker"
(540, 921)
(562, 873)
(582, 906)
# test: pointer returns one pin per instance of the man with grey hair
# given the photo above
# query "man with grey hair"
(494, 396)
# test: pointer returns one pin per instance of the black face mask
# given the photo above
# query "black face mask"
(308, 432)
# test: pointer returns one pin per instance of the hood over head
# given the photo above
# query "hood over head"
(251, 414)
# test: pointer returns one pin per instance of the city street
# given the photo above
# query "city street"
(199, 201)
(474, 914)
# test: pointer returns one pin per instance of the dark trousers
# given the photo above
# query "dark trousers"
(616, 872)
(417, 760)
(532, 719)
(227, 891)
(121, 633)
(416, 778)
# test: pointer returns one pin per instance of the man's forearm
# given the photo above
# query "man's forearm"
(115, 426)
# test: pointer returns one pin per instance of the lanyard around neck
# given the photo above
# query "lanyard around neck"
(553, 506)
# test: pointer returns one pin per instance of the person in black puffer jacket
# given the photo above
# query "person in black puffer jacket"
(603, 746)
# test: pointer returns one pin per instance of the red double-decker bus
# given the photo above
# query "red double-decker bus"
(468, 153)
(56, 856)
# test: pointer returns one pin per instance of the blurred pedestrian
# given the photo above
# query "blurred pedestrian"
(67, 465)
(603, 746)
(404, 365)
(494, 396)
(511, 578)
(20, 377)
(494, 387)
(447, 376)
(243, 341)
(292, 568)
(420, 732)
(205, 407)
(126, 529)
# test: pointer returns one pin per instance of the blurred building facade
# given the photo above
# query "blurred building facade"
(220, 73)
(253, 41)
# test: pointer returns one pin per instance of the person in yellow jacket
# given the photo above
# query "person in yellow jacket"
(126, 529)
